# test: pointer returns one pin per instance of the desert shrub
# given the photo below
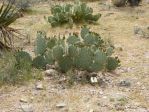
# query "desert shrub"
(8, 15)
(23, 5)
(76, 13)
(88, 52)
(120, 3)
(15, 69)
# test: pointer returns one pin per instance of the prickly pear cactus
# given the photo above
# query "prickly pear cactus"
(58, 52)
(65, 64)
(76, 13)
(84, 58)
(23, 56)
(99, 61)
(87, 51)
(112, 63)
(23, 60)
(39, 62)
(40, 43)
(49, 57)
(73, 39)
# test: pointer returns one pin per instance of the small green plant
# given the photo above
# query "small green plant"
(87, 52)
(15, 69)
(77, 13)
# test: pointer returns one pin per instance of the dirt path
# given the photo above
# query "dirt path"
(118, 24)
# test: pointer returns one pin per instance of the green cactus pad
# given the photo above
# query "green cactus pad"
(72, 39)
(112, 63)
(99, 62)
(39, 62)
(49, 57)
(40, 44)
(65, 64)
(84, 58)
(23, 56)
(58, 52)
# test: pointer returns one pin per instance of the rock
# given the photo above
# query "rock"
(124, 83)
(50, 67)
(141, 31)
(39, 86)
(91, 110)
(93, 80)
(27, 108)
(102, 82)
(24, 100)
(60, 105)
(119, 107)
(147, 1)
(119, 3)
(51, 72)
(138, 30)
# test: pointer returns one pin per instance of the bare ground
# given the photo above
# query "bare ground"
(115, 23)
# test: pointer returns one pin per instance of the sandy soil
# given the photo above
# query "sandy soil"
(116, 24)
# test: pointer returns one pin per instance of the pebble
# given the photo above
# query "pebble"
(124, 83)
(39, 86)
(93, 80)
(27, 108)
(60, 105)
(141, 31)
(50, 72)
(91, 110)
(24, 100)
(119, 107)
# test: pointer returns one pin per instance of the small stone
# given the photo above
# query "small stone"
(50, 72)
(60, 105)
(24, 100)
(50, 67)
(91, 110)
(102, 83)
(119, 107)
(93, 80)
(27, 108)
(39, 86)
(141, 31)
(124, 83)
(101, 92)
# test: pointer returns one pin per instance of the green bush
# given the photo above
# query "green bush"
(87, 52)
(77, 13)
(15, 69)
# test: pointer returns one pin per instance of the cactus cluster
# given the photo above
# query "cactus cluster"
(76, 13)
(85, 52)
